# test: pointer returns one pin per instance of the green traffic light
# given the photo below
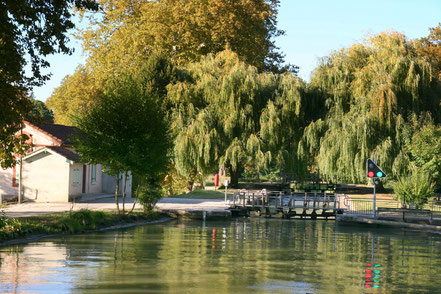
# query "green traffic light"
(379, 174)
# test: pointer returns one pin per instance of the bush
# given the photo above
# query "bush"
(148, 194)
(83, 219)
(10, 227)
(414, 189)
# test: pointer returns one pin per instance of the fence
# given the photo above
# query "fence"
(365, 206)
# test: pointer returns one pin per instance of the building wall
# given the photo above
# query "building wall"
(6, 187)
(39, 139)
(45, 178)
(94, 188)
(91, 187)
(129, 185)
(109, 184)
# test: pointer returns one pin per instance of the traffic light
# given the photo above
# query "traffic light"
(372, 276)
(373, 171)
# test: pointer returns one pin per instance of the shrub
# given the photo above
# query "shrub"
(148, 194)
(83, 219)
(10, 227)
(414, 189)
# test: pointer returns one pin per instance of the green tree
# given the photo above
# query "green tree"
(78, 92)
(39, 113)
(129, 31)
(370, 90)
(282, 124)
(425, 150)
(125, 131)
(216, 115)
(430, 47)
(35, 28)
(74, 96)
(227, 114)
(414, 189)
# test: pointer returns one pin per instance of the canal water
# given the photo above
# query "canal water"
(247, 255)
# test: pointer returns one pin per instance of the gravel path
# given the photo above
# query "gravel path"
(33, 209)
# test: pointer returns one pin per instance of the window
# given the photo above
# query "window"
(76, 176)
(93, 173)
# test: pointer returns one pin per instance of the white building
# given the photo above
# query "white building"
(52, 170)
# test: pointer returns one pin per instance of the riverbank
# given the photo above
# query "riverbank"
(28, 229)
(22, 223)
(365, 220)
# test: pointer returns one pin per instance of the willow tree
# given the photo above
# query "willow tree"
(216, 117)
(282, 124)
(370, 90)
(228, 114)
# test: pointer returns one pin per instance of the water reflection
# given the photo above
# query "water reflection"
(241, 256)
(23, 268)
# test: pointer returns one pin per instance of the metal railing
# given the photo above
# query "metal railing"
(365, 206)
(278, 199)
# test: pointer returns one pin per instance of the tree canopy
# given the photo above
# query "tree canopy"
(35, 28)
(129, 31)
(78, 92)
(126, 130)
(39, 113)
(430, 47)
(228, 114)
(74, 96)
(370, 90)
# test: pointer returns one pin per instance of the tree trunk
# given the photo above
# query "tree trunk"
(136, 197)
(124, 192)
(234, 175)
(189, 186)
(117, 193)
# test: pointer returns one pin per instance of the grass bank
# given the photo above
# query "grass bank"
(67, 223)
(203, 194)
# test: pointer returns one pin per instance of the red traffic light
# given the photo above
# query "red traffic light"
(373, 170)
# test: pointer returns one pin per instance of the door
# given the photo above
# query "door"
(84, 178)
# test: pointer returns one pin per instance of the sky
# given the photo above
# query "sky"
(314, 29)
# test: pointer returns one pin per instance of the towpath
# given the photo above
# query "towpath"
(108, 203)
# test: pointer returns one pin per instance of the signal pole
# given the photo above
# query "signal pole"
(375, 195)
(374, 172)
(375, 198)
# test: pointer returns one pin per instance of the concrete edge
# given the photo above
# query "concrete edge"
(196, 214)
(372, 221)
